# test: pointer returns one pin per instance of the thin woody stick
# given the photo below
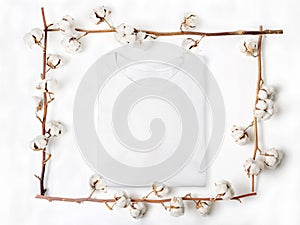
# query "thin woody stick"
(45, 103)
(81, 200)
(197, 33)
(259, 78)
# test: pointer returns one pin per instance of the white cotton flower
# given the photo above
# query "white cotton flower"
(141, 36)
(54, 128)
(253, 167)
(47, 85)
(262, 94)
(160, 189)
(261, 104)
(240, 135)
(270, 105)
(71, 44)
(99, 14)
(35, 36)
(121, 199)
(266, 92)
(264, 109)
(189, 43)
(176, 207)
(261, 114)
(190, 21)
(204, 207)
(54, 61)
(138, 210)
(39, 143)
(272, 157)
(98, 183)
(125, 34)
(66, 24)
(224, 189)
(249, 47)
(39, 103)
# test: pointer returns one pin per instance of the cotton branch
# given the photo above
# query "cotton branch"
(45, 103)
(197, 33)
(259, 79)
(157, 201)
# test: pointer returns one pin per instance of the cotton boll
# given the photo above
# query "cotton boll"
(54, 61)
(66, 24)
(35, 36)
(128, 40)
(270, 104)
(266, 94)
(189, 43)
(259, 113)
(176, 207)
(125, 34)
(98, 183)
(224, 189)
(240, 135)
(253, 167)
(99, 14)
(269, 90)
(261, 104)
(71, 44)
(138, 210)
(160, 189)
(54, 128)
(267, 112)
(249, 47)
(141, 36)
(47, 85)
(39, 143)
(262, 94)
(121, 199)
(190, 21)
(272, 157)
(271, 107)
(204, 207)
(265, 107)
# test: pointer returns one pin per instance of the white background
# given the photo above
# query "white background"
(278, 199)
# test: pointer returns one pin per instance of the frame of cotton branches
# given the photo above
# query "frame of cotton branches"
(263, 109)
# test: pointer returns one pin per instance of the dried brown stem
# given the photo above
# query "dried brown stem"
(250, 125)
(108, 24)
(252, 182)
(259, 79)
(53, 29)
(197, 33)
(80, 200)
(91, 194)
(145, 197)
(95, 31)
(45, 100)
(39, 118)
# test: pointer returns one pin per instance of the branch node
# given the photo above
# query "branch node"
(108, 206)
(36, 176)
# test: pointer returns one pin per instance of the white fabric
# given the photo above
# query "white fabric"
(141, 115)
